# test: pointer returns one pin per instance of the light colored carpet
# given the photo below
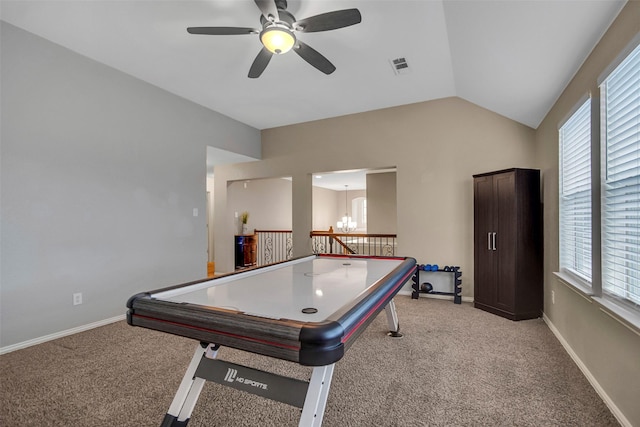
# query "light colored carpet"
(455, 366)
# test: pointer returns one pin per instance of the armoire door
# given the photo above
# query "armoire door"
(505, 224)
(484, 263)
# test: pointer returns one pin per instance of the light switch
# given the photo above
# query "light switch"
(195, 211)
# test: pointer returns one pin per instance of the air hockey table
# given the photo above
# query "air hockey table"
(308, 310)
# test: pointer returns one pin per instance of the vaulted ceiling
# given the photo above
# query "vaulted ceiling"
(513, 57)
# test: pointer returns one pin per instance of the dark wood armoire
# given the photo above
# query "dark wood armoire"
(508, 243)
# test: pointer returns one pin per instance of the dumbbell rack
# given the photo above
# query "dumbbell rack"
(457, 284)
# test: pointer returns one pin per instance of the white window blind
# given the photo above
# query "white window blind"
(575, 193)
(621, 180)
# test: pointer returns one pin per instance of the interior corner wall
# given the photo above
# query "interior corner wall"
(606, 348)
(100, 175)
(425, 142)
(211, 255)
(325, 205)
(382, 215)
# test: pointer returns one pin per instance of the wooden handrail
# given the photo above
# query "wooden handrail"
(373, 240)
(345, 247)
(277, 245)
(330, 234)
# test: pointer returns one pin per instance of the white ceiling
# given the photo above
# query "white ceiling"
(353, 179)
(513, 57)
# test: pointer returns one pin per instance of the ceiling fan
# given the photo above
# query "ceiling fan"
(278, 33)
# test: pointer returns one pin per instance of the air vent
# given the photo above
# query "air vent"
(400, 65)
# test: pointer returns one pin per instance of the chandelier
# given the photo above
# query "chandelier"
(347, 225)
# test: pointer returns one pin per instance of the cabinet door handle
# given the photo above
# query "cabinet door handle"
(489, 241)
(494, 241)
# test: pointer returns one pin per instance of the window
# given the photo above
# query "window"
(575, 194)
(359, 209)
(620, 94)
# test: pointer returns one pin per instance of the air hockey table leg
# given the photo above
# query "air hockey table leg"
(316, 399)
(392, 320)
(189, 390)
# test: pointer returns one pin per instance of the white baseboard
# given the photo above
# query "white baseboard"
(50, 337)
(592, 380)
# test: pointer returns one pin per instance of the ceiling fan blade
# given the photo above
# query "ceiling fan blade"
(268, 7)
(329, 21)
(260, 63)
(221, 31)
(314, 58)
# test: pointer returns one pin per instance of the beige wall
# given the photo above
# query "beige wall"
(325, 206)
(608, 350)
(268, 202)
(436, 147)
(381, 203)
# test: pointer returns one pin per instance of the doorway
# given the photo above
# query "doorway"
(216, 156)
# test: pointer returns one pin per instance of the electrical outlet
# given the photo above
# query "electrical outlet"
(77, 298)
(553, 297)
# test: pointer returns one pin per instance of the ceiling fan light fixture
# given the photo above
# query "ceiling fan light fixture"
(277, 39)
